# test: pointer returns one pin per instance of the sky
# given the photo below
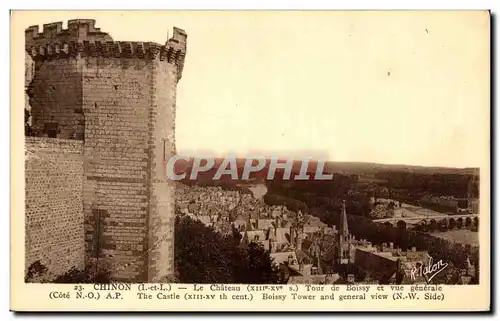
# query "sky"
(386, 87)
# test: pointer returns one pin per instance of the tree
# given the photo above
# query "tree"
(88, 275)
(261, 269)
(205, 256)
(38, 273)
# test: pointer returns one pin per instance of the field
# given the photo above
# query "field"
(463, 236)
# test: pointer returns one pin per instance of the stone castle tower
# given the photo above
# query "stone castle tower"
(103, 120)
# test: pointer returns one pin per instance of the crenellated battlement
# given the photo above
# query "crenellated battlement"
(178, 43)
(78, 29)
(83, 39)
(171, 52)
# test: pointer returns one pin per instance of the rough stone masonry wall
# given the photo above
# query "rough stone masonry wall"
(56, 96)
(116, 197)
(54, 204)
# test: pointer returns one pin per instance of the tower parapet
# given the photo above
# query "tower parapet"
(54, 44)
(110, 49)
(78, 30)
(178, 45)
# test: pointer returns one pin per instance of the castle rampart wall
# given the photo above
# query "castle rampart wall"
(54, 203)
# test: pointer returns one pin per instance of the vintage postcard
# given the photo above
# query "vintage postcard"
(250, 161)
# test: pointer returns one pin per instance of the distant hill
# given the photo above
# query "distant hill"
(358, 167)
(363, 170)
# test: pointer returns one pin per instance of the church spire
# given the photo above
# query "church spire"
(343, 246)
(343, 228)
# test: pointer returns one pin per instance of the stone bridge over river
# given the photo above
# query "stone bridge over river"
(435, 221)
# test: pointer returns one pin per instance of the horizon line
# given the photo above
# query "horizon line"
(298, 156)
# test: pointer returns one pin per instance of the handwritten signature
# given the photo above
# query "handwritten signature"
(429, 271)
